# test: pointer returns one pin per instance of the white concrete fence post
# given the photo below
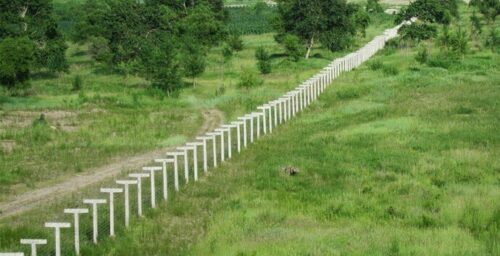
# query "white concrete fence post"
(57, 226)
(33, 243)
(222, 151)
(245, 136)
(205, 152)
(139, 177)
(175, 156)
(94, 203)
(238, 125)
(186, 162)
(228, 127)
(126, 188)
(164, 163)
(195, 146)
(111, 192)
(76, 225)
(152, 171)
(221, 132)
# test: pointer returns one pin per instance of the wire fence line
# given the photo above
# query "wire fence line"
(120, 203)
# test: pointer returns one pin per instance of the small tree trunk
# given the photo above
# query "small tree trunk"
(23, 16)
(309, 47)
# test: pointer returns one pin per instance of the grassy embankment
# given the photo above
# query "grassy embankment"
(396, 158)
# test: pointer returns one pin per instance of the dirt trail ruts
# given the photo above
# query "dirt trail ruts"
(27, 201)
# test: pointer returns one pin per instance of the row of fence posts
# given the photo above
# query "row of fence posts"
(248, 128)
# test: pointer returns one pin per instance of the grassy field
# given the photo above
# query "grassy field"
(391, 163)
(115, 116)
(396, 158)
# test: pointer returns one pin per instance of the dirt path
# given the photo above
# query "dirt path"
(27, 201)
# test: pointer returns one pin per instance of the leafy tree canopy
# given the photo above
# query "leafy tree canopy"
(34, 21)
(332, 22)
(147, 31)
(434, 11)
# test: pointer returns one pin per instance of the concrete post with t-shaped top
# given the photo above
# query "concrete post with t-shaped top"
(186, 161)
(76, 225)
(223, 142)
(111, 192)
(258, 115)
(195, 146)
(213, 137)
(94, 203)
(126, 192)
(237, 125)
(222, 151)
(228, 127)
(164, 163)
(33, 243)
(175, 156)
(57, 236)
(139, 177)
(151, 171)
(204, 140)
(265, 108)
(244, 119)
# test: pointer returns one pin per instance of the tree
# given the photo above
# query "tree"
(193, 61)
(34, 21)
(16, 57)
(476, 26)
(362, 20)
(161, 64)
(293, 47)
(373, 6)
(264, 60)
(141, 33)
(235, 42)
(418, 31)
(330, 22)
(249, 79)
(489, 8)
(434, 11)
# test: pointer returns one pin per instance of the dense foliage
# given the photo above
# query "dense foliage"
(332, 22)
(158, 39)
(435, 11)
(41, 45)
(263, 60)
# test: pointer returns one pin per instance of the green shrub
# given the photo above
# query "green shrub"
(77, 83)
(221, 90)
(293, 47)
(390, 70)
(442, 61)
(454, 42)
(375, 65)
(16, 61)
(249, 79)
(493, 40)
(418, 32)
(235, 42)
(264, 60)
(374, 6)
(422, 55)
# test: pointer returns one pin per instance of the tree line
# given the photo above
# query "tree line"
(165, 41)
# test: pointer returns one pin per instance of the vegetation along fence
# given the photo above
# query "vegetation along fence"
(110, 211)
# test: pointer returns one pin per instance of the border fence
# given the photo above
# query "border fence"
(121, 203)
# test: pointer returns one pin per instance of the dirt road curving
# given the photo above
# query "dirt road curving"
(27, 201)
